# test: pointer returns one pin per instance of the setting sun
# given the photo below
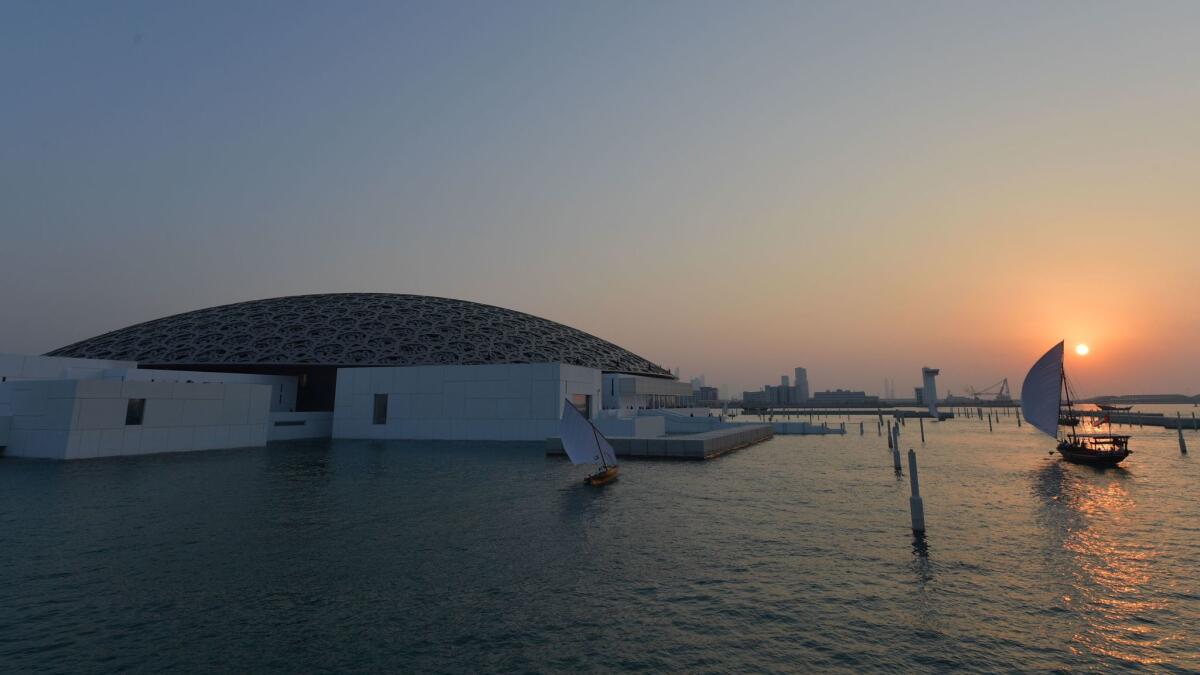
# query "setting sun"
(1081, 349)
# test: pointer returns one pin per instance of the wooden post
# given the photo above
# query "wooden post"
(989, 421)
(1179, 428)
(890, 435)
(916, 506)
(922, 421)
(1018, 419)
(860, 429)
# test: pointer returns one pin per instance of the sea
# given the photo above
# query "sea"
(793, 555)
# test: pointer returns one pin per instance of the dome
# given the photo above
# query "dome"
(357, 329)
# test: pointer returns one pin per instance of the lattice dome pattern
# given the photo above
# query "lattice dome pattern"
(358, 329)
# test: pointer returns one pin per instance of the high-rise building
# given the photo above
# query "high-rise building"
(801, 385)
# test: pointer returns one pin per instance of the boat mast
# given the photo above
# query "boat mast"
(596, 437)
(1067, 392)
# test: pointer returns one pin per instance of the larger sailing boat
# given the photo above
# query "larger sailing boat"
(584, 444)
(1042, 403)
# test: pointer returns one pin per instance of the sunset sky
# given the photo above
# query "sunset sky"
(734, 189)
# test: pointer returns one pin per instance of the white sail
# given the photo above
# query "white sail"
(1041, 393)
(582, 443)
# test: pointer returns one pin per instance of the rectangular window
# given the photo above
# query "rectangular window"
(582, 403)
(380, 409)
(134, 411)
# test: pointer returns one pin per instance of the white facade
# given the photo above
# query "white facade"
(28, 367)
(638, 392)
(929, 389)
(77, 419)
(506, 402)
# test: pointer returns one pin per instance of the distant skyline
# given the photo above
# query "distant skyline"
(861, 189)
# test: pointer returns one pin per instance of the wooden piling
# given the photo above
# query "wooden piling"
(916, 506)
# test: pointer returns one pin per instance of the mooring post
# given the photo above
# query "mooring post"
(896, 460)
(1018, 419)
(989, 421)
(1179, 428)
(902, 420)
(915, 505)
(1194, 422)
(861, 429)
(889, 434)
(922, 421)
(879, 428)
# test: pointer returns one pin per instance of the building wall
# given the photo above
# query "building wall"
(482, 402)
(283, 387)
(77, 419)
(31, 367)
(625, 392)
(288, 426)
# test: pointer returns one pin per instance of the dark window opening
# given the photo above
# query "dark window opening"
(135, 410)
(381, 401)
(290, 423)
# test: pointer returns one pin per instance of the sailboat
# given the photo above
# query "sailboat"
(584, 444)
(1042, 397)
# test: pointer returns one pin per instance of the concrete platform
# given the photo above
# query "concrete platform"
(706, 445)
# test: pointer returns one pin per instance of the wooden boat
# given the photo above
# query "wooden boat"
(1112, 407)
(603, 476)
(584, 444)
(1042, 402)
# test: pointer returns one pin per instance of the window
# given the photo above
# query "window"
(381, 401)
(134, 411)
(582, 403)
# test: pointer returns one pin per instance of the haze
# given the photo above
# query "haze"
(733, 189)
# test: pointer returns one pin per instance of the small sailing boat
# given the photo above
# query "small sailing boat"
(584, 444)
(1042, 403)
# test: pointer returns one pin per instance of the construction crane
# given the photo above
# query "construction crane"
(998, 392)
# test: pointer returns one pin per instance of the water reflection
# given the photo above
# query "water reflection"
(1086, 513)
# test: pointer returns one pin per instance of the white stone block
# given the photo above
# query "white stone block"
(155, 440)
(132, 444)
(427, 406)
(102, 413)
(163, 412)
(544, 371)
(429, 380)
(479, 408)
(513, 408)
(239, 436)
(258, 435)
(112, 442)
(134, 389)
(260, 403)
(381, 380)
(181, 439)
(98, 388)
(201, 412)
(89, 443)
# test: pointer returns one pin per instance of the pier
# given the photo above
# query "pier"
(702, 446)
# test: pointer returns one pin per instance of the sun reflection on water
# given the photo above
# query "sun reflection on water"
(1110, 573)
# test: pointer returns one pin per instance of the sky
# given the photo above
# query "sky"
(731, 188)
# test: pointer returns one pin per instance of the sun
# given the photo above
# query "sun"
(1081, 349)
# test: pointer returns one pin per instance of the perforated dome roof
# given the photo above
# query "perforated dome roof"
(357, 329)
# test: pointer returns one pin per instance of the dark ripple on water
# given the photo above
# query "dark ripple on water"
(466, 557)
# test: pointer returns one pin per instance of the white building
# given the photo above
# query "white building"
(360, 365)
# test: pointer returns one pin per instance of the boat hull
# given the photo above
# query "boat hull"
(603, 476)
(1078, 455)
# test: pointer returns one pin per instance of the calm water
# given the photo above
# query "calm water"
(466, 557)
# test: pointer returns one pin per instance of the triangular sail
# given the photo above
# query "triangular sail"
(1041, 393)
(582, 443)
